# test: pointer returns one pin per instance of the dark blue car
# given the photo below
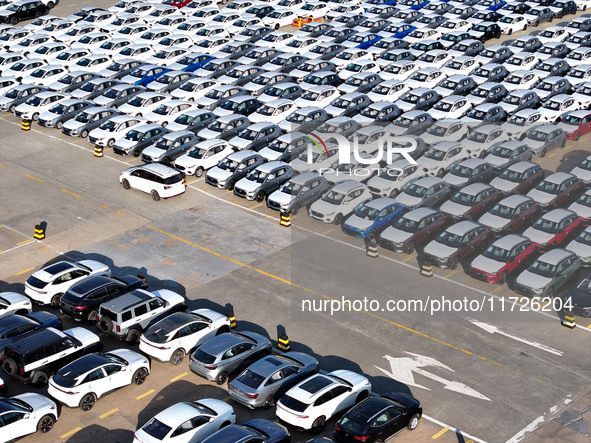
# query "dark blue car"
(371, 218)
(16, 325)
(415, 5)
(143, 75)
(192, 62)
(363, 40)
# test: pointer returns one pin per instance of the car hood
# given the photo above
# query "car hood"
(454, 209)
(581, 210)
(497, 162)
(395, 235)
(444, 92)
(493, 221)
(582, 174)
(531, 280)
(130, 356)
(381, 183)
(503, 185)
(439, 250)
(405, 106)
(219, 173)
(581, 249)
(73, 124)
(539, 237)
(438, 115)
(540, 197)
(240, 143)
(254, 88)
(275, 432)
(323, 207)
(580, 299)
(358, 223)
(334, 111)
(535, 145)
(397, 130)
(454, 180)
(430, 164)
(208, 134)
(408, 200)
(102, 100)
(171, 297)
(247, 185)
(485, 264)
(153, 151)
(186, 161)
(507, 107)
(220, 112)
(280, 197)
(124, 143)
(83, 335)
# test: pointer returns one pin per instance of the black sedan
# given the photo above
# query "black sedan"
(580, 298)
(22, 10)
(259, 430)
(378, 418)
(82, 301)
(15, 326)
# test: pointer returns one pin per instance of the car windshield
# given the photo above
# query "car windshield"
(291, 188)
(266, 110)
(198, 152)
(333, 197)
(542, 268)
(218, 126)
(517, 120)
(512, 99)
(367, 212)
(258, 176)
(138, 73)
(296, 117)
(586, 164)
(403, 122)
(228, 165)
(502, 211)
(134, 135)
(88, 87)
(443, 106)
(546, 225)
(449, 239)
(415, 190)
(463, 199)
(553, 105)
(156, 429)
(477, 114)
(165, 143)
(84, 117)
(482, 72)
(435, 154)
(537, 135)
(448, 84)
(502, 152)
(162, 110)
(370, 112)
(114, 67)
(549, 187)
(342, 103)
(60, 108)
(419, 76)
(410, 98)
(496, 253)
(584, 237)
(545, 86)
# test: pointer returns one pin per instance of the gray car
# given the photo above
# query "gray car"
(234, 50)
(120, 68)
(138, 138)
(255, 136)
(193, 120)
(304, 120)
(258, 56)
(263, 181)
(233, 168)
(268, 379)
(456, 85)
(348, 105)
(284, 63)
(168, 148)
(506, 153)
(228, 352)
(72, 81)
(411, 123)
(423, 192)
(551, 86)
(88, 120)
(63, 111)
(117, 95)
(170, 81)
(544, 138)
(264, 81)
(215, 68)
(93, 88)
(361, 82)
(286, 147)
(241, 75)
(17, 95)
(300, 191)
(487, 93)
(225, 127)
(520, 99)
(419, 99)
(218, 95)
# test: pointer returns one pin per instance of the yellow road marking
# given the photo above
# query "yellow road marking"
(440, 433)
(145, 394)
(24, 271)
(130, 160)
(114, 210)
(106, 414)
(2, 166)
(589, 327)
(226, 398)
(552, 155)
(256, 206)
(24, 242)
(451, 273)
(72, 432)
(192, 181)
(497, 289)
(328, 231)
(34, 178)
(178, 377)
(409, 258)
(71, 193)
(5, 114)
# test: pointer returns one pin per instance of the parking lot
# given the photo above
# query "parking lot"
(495, 374)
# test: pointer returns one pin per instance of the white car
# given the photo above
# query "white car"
(579, 56)
(357, 67)
(37, 104)
(462, 65)
(522, 79)
(339, 202)
(241, 24)
(276, 39)
(399, 70)
(167, 57)
(453, 106)
(521, 121)
(556, 106)
(299, 44)
(144, 103)
(319, 96)
(553, 34)
(435, 58)
(441, 157)
(280, 17)
(80, 383)
(176, 335)
(8, 59)
(195, 88)
(168, 111)
(44, 75)
(203, 156)
(274, 111)
(581, 246)
(583, 170)
(393, 177)
(113, 46)
(111, 130)
(301, 405)
(75, 32)
(187, 422)
(14, 303)
(91, 41)
(511, 23)
(421, 34)
(26, 414)
(47, 285)
(6, 84)
(155, 179)
(522, 61)
(93, 63)
(583, 94)
(426, 78)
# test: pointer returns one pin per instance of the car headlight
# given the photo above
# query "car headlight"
(537, 292)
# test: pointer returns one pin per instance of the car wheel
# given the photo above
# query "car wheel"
(106, 324)
(410, 248)
(111, 142)
(45, 424)
(139, 115)
(230, 185)
(414, 422)
(221, 378)
(295, 209)
(269, 402)
(260, 196)
(155, 195)
(318, 425)
(35, 116)
(361, 396)
(59, 124)
(55, 300)
(393, 193)
(276, 26)
(40, 379)
(543, 153)
(14, 21)
(125, 184)
(525, 27)
(133, 336)
(84, 133)
(10, 366)
(12, 108)
(563, 144)
(87, 402)
(177, 357)
(441, 173)
(164, 124)
(136, 152)
(578, 136)
(139, 377)
(549, 293)
(222, 330)
(454, 263)
(510, 32)
(503, 279)
(92, 316)
(338, 219)
(199, 172)
(482, 154)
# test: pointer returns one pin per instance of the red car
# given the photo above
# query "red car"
(501, 258)
(180, 3)
(554, 227)
(518, 178)
(576, 124)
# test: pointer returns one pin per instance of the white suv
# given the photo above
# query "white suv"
(155, 179)
(203, 156)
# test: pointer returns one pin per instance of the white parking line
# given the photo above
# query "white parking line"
(456, 430)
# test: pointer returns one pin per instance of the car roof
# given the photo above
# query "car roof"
(515, 200)
(473, 162)
(419, 213)
(35, 340)
(177, 414)
(380, 203)
(445, 146)
(475, 188)
(462, 227)
(304, 177)
(365, 411)
(428, 181)
(510, 241)
(559, 177)
(270, 166)
(580, 113)
(558, 214)
(83, 365)
(160, 169)
(128, 300)
(347, 185)
(90, 284)
(222, 342)
(555, 256)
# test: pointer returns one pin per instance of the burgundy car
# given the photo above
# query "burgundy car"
(554, 227)
(509, 214)
(412, 229)
(518, 178)
(556, 189)
(471, 202)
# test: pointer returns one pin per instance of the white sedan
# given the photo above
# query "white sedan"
(47, 285)
(341, 389)
(80, 383)
(554, 108)
(38, 104)
(26, 414)
(44, 75)
(175, 336)
(14, 303)
(274, 111)
(280, 17)
(187, 422)
(113, 129)
(511, 23)
(144, 103)
(453, 106)
(168, 111)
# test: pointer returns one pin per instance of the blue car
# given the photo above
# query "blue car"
(371, 218)
(192, 62)
(364, 40)
(143, 75)
(492, 5)
(415, 5)
(16, 325)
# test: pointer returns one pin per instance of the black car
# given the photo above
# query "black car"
(517, 7)
(15, 326)
(22, 10)
(378, 418)
(82, 301)
(258, 430)
(566, 8)
(486, 31)
(580, 298)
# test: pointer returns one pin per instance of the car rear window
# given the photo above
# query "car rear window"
(351, 427)
(156, 429)
(106, 313)
(293, 404)
(36, 283)
(251, 379)
(203, 357)
(173, 179)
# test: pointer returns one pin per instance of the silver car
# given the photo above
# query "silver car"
(217, 358)
(508, 153)
(424, 192)
(266, 380)
(302, 190)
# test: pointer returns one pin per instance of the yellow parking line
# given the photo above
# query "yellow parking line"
(256, 206)
(145, 394)
(440, 433)
(589, 327)
(72, 432)
(552, 155)
(226, 398)
(2, 166)
(71, 193)
(114, 210)
(106, 414)
(495, 290)
(130, 160)
(192, 181)
(6, 114)
(409, 258)
(24, 271)
(451, 273)
(34, 178)
(24, 242)
(78, 141)
(328, 231)
(178, 377)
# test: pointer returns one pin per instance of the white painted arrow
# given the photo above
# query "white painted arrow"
(493, 329)
(401, 369)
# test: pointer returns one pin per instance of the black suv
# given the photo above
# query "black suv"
(23, 10)
(82, 301)
(36, 356)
